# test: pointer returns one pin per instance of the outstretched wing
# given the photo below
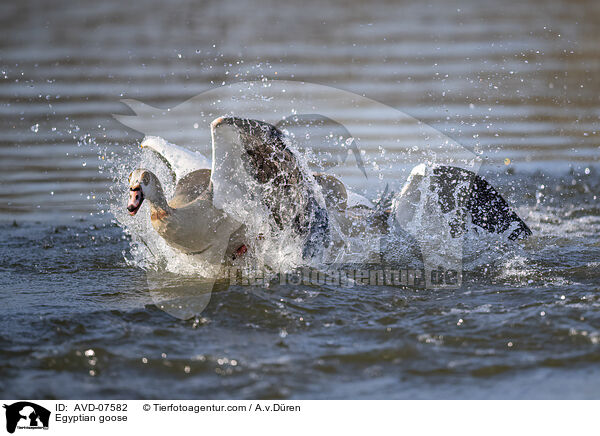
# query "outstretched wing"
(254, 167)
(434, 207)
(179, 160)
(460, 194)
(487, 208)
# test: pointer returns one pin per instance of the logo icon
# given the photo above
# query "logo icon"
(26, 415)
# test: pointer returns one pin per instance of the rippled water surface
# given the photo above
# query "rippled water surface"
(515, 83)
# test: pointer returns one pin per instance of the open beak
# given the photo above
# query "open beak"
(136, 198)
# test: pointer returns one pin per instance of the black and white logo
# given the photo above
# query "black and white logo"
(26, 415)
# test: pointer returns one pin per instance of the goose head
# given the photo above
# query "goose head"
(143, 184)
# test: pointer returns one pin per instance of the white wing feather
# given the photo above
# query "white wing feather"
(181, 160)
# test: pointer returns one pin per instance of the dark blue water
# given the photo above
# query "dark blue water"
(78, 319)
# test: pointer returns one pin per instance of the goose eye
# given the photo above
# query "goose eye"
(146, 178)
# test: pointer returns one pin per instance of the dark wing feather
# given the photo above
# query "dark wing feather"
(474, 195)
(290, 197)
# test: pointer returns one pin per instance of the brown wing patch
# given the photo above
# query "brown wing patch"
(158, 214)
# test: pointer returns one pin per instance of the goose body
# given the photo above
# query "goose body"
(253, 169)
(188, 222)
